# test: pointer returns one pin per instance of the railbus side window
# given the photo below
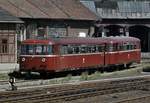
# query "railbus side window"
(110, 47)
(89, 48)
(93, 49)
(133, 46)
(64, 49)
(70, 49)
(115, 47)
(76, 49)
(100, 48)
(107, 48)
(120, 47)
(128, 46)
(125, 46)
(83, 49)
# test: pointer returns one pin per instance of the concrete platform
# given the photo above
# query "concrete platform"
(8, 67)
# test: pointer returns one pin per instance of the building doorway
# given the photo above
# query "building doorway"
(143, 33)
(114, 30)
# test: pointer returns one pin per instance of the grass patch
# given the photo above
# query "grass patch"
(66, 79)
(98, 75)
(4, 76)
(84, 76)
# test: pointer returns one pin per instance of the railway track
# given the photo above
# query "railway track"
(141, 99)
(2, 82)
(5, 85)
(101, 85)
(73, 92)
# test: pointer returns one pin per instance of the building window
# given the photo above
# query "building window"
(41, 32)
(57, 31)
(4, 46)
(31, 31)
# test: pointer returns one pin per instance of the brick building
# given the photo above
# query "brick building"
(8, 40)
(8, 37)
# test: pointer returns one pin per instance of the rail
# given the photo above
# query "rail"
(135, 100)
(72, 92)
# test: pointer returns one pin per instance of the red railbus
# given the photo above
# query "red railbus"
(65, 54)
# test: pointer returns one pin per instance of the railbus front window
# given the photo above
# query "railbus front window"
(110, 47)
(30, 49)
(43, 49)
(27, 50)
(36, 49)
(64, 49)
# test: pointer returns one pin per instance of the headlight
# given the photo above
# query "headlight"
(43, 59)
(23, 59)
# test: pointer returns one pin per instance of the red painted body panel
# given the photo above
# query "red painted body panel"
(122, 57)
(59, 63)
(36, 63)
(82, 60)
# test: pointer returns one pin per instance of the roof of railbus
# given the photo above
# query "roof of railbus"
(38, 41)
(122, 39)
(66, 40)
(81, 40)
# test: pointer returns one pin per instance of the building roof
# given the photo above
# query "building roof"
(6, 17)
(122, 9)
(48, 9)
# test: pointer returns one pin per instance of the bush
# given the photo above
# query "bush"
(96, 75)
(66, 79)
(84, 76)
